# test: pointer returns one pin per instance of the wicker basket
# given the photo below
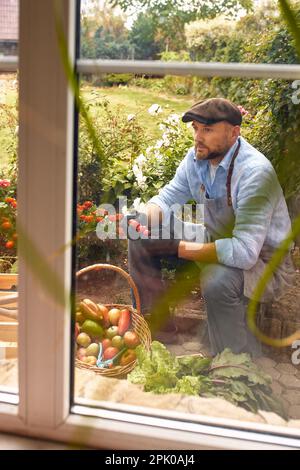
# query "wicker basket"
(138, 323)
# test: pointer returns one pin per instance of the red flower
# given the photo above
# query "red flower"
(87, 204)
(4, 183)
(11, 201)
(243, 111)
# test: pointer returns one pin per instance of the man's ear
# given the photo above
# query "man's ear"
(236, 131)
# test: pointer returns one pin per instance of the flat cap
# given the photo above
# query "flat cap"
(214, 110)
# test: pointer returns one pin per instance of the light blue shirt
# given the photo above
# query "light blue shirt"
(261, 214)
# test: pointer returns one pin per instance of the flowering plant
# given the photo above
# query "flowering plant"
(156, 166)
(89, 216)
(8, 213)
(92, 223)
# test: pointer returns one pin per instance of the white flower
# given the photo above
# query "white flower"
(155, 109)
(173, 119)
(149, 150)
(162, 127)
(136, 170)
(141, 179)
(140, 160)
(130, 117)
(159, 144)
(165, 138)
(158, 155)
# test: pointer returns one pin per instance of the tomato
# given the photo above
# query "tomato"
(134, 224)
(10, 244)
(110, 352)
(87, 204)
(106, 343)
(131, 339)
(128, 357)
(6, 225)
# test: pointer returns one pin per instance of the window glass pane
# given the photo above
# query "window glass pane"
(243, 31)
(8, 200)
(206, 361)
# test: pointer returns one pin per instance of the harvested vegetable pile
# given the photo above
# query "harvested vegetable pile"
(233, 377)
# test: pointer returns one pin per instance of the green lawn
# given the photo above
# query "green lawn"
(133, 100)
(128, 99)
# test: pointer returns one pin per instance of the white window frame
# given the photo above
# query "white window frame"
(45, 190)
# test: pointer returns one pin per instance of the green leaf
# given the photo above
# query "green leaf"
(292, 21)
(230, 365)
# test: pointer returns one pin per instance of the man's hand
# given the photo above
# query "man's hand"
(203, 252)
(154, 214)
(159, 242)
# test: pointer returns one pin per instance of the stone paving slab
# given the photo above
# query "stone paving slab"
(290, 382)
(265, 362)
(275, 374)
(292, 397)
(294, 411)
(276, 387)
(286, 368)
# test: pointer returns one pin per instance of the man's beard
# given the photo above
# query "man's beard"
(213, 155)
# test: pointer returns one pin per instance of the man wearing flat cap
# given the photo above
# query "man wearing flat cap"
(245, 220)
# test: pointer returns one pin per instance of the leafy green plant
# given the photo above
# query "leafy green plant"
(234, 377)
(104, 177)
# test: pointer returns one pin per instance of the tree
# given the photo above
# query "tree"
(103, 34)
(143, 38)
(169, 17)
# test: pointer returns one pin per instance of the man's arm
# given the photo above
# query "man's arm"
(176, 192)
(256, 199)
(258, 194)
(203, 252)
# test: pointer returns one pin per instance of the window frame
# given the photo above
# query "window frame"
(46, 167)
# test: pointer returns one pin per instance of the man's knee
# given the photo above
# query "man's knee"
(219, 281)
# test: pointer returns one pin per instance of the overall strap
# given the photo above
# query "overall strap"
(230, 171)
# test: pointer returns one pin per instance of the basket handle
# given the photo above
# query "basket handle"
(99, 267)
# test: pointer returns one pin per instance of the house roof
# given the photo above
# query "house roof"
(9, 20)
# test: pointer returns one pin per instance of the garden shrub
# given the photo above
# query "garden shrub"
(112, 79)
(274, 127)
